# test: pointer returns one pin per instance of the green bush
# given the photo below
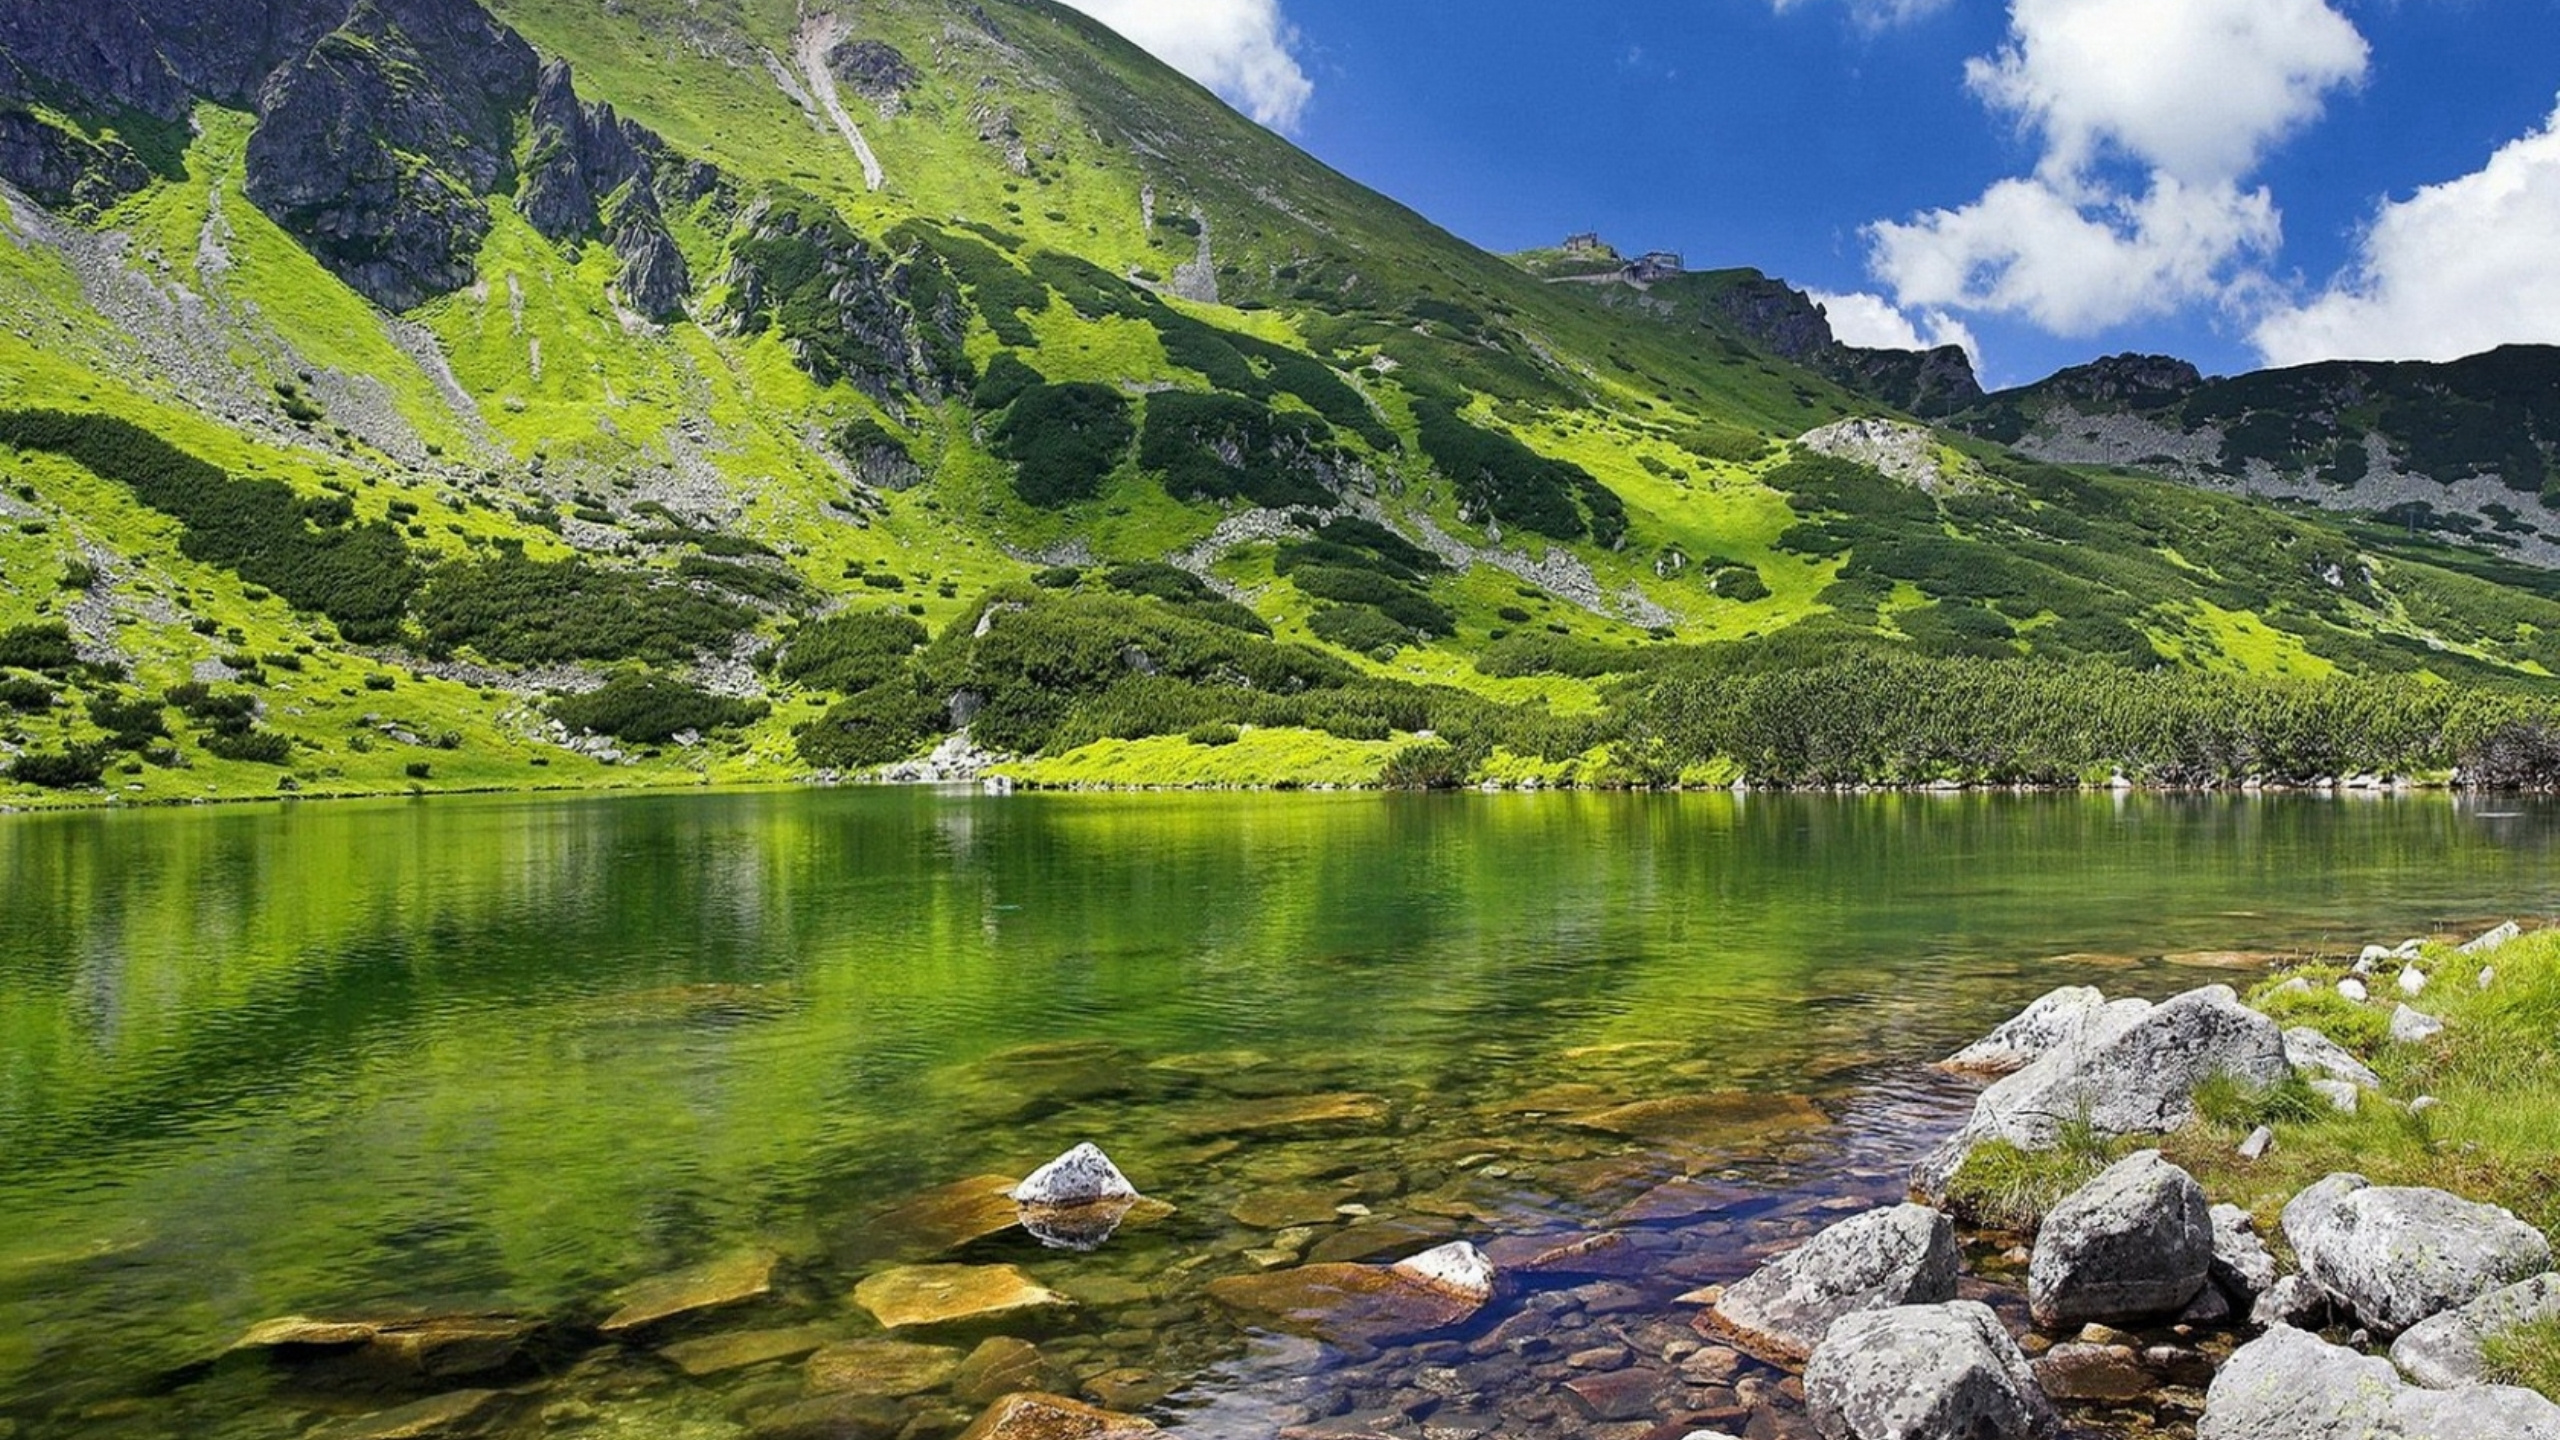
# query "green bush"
(76, 768)
(1359, 628)
(1408, 607)
(1428, 765)
(1278, 459)
(1504, 480)
(1214, 735)
(130, 724)
(528, 612)
(642, 708)
(26, 696)
(773, 586)
(360, 576)
(888, 722)
(1164, 582)
(45, 646)
(254, 746)
(853, 652)
(1064, 441)
(1058, 577)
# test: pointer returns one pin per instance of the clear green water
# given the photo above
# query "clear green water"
(511, 1053)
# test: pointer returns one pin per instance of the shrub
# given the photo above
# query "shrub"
(853, 652)
(130, 724)
(773, 586)
(1064, 440)
(254, 746)
(1502, 479)
(360, 576)
(527, 612)
(645, 709)
(1154, 577)
(44, 646)
(1058, 577)
(75, 768)
(1359, 628)
(1214, 734)
(884, 723)
(1429, 765)
(24, 695)
(418, 770)
(1407, 606)
(1217, 447)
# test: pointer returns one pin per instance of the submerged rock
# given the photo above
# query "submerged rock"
(889, 1368)
(455, 1413)
(2449, 1350)
(1346, 1111)
(1003, 1365)
(1924, 1372)
(732, 1280)
(2394, 1256)
(924, 1297)
(2135, 1243)
(716, 1354)
(2290, 1385)
(1054, 1417)
(1905, 1255)
(945, 1217)
(1348, 1304)
(427, 1347)
(1730, 1117)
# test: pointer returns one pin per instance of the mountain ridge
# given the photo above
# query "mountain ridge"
(724, 337)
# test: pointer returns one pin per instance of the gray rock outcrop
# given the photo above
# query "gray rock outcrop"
(2450, 1350)
(2395, 1256)
(2312, 1053)
(1924, 1372)
(2134, 1072)
(2054, 1020)
(2414, 1027)
(2291, 1385)
(1905, 1255)
(2133, 1244)
(2242, 1265)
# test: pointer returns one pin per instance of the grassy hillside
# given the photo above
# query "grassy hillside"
(1104, 423)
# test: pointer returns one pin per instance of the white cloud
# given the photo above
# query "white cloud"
(2077, 261)
(1872, 322)
(2197, 89)
(2188, 95)
(1243, 49)
(2455, 269)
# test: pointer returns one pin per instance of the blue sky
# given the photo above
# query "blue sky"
(2237, 181)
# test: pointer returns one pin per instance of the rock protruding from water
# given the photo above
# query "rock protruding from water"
(2136, 1243)
(1457, 1269)
(2134, 1072)
(2055, 1020)
(1082, 1176)
(1359, 1304)
(1924, 1372)
(2291, 1385)
(1905, 1255)
(2450, 1350)
(2394, 1256)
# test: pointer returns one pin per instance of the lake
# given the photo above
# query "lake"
(513, 1055)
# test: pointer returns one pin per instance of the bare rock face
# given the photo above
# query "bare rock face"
(875, 70)
(1905, 1255)
(374, 146)
(582, 155)
(2291, 1385)
(2055, 1020)
(1924, 1372)
(2395, 1256)
(2133, 1244)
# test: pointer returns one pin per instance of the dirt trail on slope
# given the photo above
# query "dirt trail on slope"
(817, 36)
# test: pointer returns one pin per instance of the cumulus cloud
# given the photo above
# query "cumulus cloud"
(1871, 322)
(2149, 115)
(2455, 269)
(1243, 49)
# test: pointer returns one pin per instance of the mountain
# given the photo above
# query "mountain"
(418, 394)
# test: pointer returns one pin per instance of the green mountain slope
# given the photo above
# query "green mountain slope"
(401, 394)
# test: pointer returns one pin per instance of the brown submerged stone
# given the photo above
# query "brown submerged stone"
(948, 1216)
(1371, 1304)
(913, 1297)
(1279, 1209)
(715, 1285)
(459, 1412)
(832, 1417)
(714, 1354)
(1724, 1117)
(1344, 1111)
(890, 1368)
(1001, 1366)
(1054, 1417)
(428, 1347)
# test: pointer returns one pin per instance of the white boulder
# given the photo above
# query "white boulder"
(2394, 1256)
